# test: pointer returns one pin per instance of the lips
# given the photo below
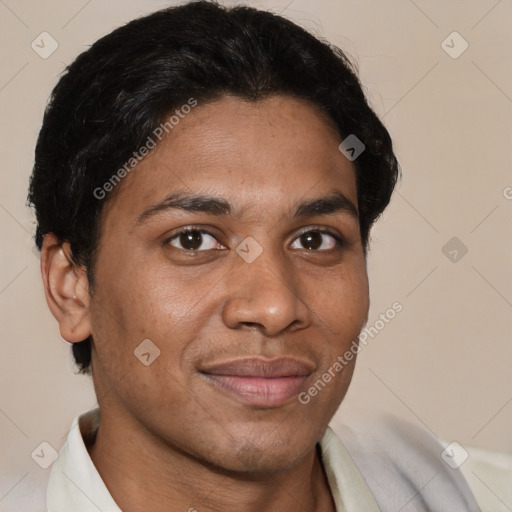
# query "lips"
(260, 382)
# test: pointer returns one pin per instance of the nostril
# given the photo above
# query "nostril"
(252, 325)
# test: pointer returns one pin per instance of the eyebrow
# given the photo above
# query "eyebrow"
(190, 203)
(335, 202)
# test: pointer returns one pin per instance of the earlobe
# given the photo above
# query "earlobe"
(66, 288)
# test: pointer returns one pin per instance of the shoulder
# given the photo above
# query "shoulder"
(24, 491)
(489, 474)
(404, 466)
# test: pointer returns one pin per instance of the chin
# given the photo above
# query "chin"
(264, 453)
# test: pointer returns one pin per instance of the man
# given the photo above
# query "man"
(205, 182)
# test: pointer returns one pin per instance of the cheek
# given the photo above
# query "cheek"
(142, 300)
(342, 300)
(124, 308)
(141, 330)
(143, 295)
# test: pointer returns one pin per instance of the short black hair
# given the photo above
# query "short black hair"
(111, 98)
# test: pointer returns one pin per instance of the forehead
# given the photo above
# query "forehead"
(262, 155)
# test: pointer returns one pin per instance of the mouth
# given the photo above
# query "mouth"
(260, 382)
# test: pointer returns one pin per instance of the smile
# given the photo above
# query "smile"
(260, 382)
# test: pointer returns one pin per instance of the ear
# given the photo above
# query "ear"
(66, 288)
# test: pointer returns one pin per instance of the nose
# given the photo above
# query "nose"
(265, 295)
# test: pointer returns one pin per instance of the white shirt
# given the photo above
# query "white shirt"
(364, 474)
(489, 475)
(76, 486)
(399, 467)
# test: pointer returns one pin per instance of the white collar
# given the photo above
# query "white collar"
(75, 483)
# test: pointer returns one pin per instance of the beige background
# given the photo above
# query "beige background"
(444, 361)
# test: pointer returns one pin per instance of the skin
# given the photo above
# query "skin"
(169, 439)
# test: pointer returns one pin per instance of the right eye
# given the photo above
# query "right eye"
(194, 240)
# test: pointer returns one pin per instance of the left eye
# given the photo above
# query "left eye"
(315, 241)
(194, 240)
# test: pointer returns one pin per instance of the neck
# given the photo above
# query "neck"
(142, 473)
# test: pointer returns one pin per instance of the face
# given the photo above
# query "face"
(234, 247)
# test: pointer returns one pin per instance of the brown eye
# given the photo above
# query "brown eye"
(311, 240)
(315, 240)
(194, 240)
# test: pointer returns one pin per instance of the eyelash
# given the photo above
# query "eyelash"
(340, 241)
